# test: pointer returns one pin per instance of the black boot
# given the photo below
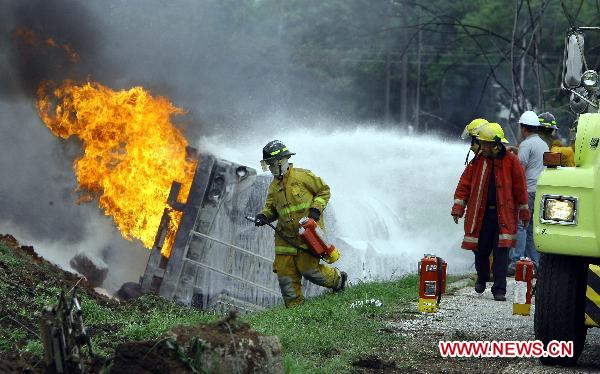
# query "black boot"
(343, 279)
(479, 288)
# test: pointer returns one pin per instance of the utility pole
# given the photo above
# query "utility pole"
(388, 64)
(522, 73)
(404, 75)
(418, 94)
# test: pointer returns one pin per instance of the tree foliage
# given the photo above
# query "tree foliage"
(477, 58)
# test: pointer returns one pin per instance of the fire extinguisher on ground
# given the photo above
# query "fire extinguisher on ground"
(523, 286)
(432, 284)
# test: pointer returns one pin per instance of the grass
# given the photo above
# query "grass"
(6, 257)
(111, 323)
(146, 318)
(324, 335)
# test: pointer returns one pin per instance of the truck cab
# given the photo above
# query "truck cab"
(567, 217)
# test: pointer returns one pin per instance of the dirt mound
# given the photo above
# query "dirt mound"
(224, 347)
(27, 250)
(27, 283)
(148, 357)
(41, 270)
(29, 272)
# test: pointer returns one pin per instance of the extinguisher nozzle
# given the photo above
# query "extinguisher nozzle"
(333, 256)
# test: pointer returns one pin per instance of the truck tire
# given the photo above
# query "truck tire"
(560, 305)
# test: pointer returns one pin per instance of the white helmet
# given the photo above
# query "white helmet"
(529, 118)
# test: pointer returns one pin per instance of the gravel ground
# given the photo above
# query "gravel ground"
(466, 315)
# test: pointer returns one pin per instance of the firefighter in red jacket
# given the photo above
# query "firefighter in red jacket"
(493, 191)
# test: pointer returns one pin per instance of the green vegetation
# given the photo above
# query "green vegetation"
(26, 287)
(143, 319)
(326, 334)
(462, 58)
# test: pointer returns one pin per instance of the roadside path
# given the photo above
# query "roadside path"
(466, 315)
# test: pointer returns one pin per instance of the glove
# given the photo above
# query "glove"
(457, 210)
(524, 215)
(314, 214)
(260, 220)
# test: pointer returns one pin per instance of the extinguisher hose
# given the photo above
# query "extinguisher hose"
(283, 237)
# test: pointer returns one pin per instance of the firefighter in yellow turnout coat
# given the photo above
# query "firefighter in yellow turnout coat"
(293, 194)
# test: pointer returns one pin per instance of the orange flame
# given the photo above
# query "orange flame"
(27, 37)
(132, 152)
(30, 39)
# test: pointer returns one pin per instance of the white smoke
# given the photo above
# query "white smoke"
(391, 192)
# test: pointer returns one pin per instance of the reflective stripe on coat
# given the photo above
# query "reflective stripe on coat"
(289, 200)
(511, 195)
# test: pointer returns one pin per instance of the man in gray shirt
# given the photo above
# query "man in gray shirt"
(531, 153)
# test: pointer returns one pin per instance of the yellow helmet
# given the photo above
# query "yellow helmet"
(472, 128)
(491, 132)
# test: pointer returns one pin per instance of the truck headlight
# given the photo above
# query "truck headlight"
(561, 210)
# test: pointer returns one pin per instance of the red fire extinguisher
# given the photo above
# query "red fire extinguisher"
(432, 273)
(317, 241)
(523, 286)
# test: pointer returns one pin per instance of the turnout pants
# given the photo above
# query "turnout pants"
(488, 244)
(291, 268)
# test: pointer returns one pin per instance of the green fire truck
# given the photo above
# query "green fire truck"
(567, 217)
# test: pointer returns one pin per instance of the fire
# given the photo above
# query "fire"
(132, 152)
(31, 39)
(27, 37)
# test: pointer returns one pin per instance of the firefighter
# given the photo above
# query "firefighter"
(293, 194)
(547, 132)
(470, 131)
(531, 156)
(493, 191)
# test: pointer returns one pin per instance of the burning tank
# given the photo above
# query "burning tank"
(137, 163)
(217, 259)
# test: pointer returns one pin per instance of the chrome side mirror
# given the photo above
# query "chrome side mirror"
(573, 60)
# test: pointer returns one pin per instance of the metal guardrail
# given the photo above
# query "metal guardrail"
(211, 268)
(196, 233)
(233, 276)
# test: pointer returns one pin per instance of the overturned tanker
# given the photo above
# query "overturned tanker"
(218, 259)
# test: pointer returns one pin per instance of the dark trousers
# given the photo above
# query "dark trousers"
(488, 244)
